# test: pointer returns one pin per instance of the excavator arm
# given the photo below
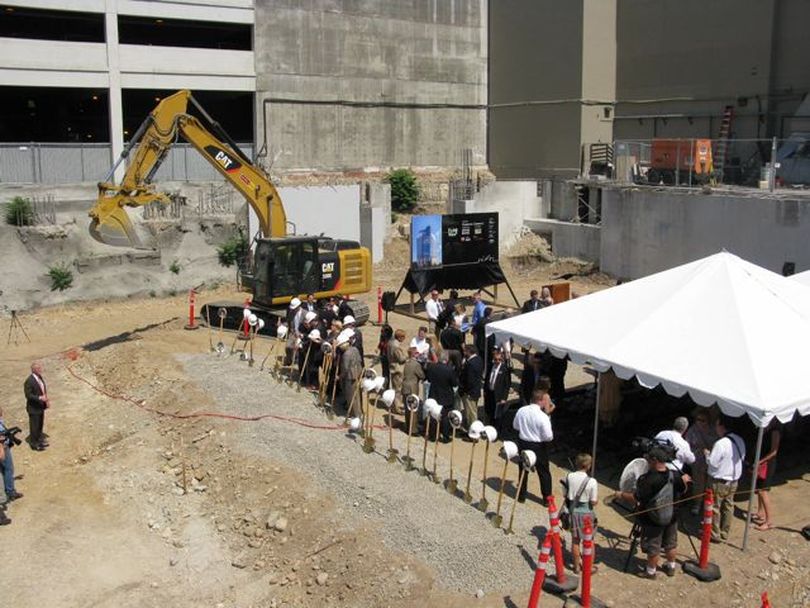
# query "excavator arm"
(166, 123)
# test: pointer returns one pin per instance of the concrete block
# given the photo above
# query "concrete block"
(567, 239)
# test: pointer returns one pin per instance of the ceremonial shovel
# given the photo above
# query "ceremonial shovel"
(490, 434)
(455, 422)
(528, 460)
(475, 434)
(412, 405)
(508, 452)
(223, 313)
(426, 408)
(436, 413)
(302, 372)
(388, 398)
(210, 332)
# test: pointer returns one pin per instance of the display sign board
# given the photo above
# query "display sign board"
(450, 240)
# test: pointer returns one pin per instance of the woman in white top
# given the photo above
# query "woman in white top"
(581, 497)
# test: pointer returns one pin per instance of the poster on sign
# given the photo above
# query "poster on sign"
(451, 240)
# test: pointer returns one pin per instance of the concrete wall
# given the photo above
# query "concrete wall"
(513, 200)
(672, 63)
(569, 240)
(535, 59)
(392, 57)
(646, 230)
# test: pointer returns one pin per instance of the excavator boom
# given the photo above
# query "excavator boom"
(169, 121)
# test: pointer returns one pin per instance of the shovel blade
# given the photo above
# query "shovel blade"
(452, 486)
(467, 497)
(483, 505)
(497, 521)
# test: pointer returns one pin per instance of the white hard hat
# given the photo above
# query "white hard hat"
(474, 434)
(491, 433)
(354, 424)
(344, 336)
(261, 324)
(436, 412)
(477, 426)
(455, 418)
(412, 403)
(348, 319)
(246, 313)
(529, 458)
(253, 320)
(295, 303)
(388, 396)
(427, 405)
(509, 450)
(315, 334)
(368, 384)
(310, 316)
(379, 384)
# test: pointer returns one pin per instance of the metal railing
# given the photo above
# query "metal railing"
(694, 162)
(72, 163)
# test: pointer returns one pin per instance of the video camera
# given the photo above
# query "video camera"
(661, 450)
(10, 436)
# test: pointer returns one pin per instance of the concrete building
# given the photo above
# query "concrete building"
(565, 74)
(327, 84)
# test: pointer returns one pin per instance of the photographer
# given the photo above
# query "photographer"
(7, 462)
(656, 491)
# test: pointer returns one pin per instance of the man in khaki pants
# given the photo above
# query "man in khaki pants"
(725, 467)
(397, 356)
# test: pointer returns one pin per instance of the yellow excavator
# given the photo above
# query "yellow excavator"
(283, 266)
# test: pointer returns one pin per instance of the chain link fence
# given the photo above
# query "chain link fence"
(67, 163)
(763, 163)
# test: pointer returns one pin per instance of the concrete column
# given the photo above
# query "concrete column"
(116, 110)
(598, 71)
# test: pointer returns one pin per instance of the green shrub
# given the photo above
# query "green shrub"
(61, 277)
(174, 268)
(19, 212)
(404, 190)
(233, 251)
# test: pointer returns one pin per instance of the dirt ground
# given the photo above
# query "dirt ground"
(142, 501)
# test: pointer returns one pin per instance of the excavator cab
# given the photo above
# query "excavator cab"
(292, 266)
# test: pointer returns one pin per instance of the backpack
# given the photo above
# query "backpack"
(660, 510)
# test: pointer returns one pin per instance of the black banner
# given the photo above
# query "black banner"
(469, 238)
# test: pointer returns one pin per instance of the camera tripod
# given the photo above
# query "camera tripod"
(15, 328)
(635, 538)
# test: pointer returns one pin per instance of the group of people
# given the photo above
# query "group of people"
(36, 402)
(687, 460)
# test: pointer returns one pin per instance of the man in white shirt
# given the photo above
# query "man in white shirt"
(684, 453)
(725, 467)
(534, 433)
(433, 308)
(420, 343)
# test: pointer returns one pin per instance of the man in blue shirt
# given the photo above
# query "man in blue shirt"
(478, 308)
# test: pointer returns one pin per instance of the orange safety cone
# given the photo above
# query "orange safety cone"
(540, 572)
(765, 601)
(585, 599)
(560, 582)
(245, 335)
(704, 570)
(192, 299)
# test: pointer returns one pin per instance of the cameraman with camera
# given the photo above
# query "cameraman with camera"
(8, 439)
(656, 491)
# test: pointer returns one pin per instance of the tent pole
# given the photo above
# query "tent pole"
(753, 486)
(596, 422)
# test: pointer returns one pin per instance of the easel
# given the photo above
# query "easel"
(14, 329)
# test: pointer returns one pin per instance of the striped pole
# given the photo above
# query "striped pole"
(587, 562)
(556, 543)
(706, 538)
(540, 572)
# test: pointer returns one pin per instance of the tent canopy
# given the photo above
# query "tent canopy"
(722, 329)
(802, 277)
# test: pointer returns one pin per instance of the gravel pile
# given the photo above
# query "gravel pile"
(412, 514)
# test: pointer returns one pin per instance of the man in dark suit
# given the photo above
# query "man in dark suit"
(311, 304)
(36, 402)
(482, 343)
(443, 379)
(533, 303)
(472, 379)
(344, 308)
(496, 388)
(532, 372)
(452, 341)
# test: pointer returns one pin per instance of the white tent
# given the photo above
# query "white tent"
(722, 329)
(802, 277)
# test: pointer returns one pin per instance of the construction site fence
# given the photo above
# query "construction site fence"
(676, 161)
(72, 163)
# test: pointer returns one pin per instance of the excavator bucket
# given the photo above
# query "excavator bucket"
(111, 225)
